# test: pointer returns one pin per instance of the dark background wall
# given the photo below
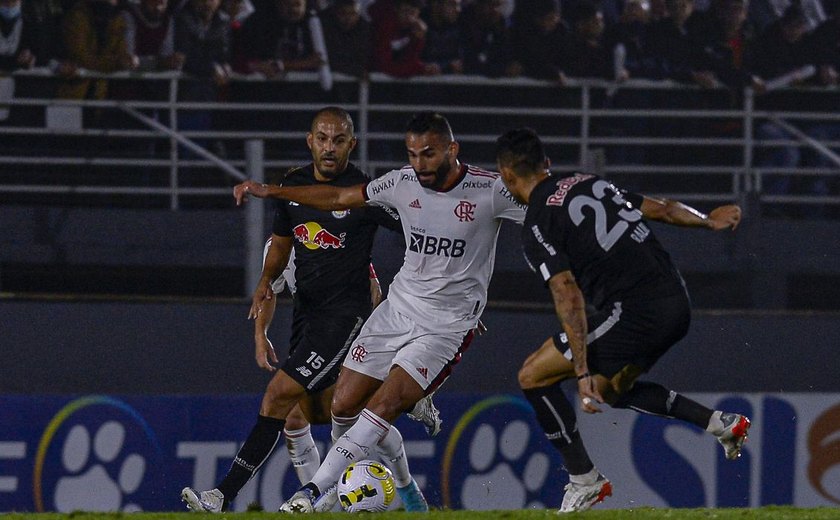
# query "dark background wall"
(766, 264)
(177, 347)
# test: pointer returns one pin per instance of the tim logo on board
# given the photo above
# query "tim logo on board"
(96, 454)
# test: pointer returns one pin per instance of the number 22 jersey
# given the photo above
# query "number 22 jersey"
(584, 224)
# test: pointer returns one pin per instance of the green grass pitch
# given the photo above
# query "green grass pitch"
(763, 513)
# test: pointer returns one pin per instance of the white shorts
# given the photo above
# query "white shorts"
(389, 338)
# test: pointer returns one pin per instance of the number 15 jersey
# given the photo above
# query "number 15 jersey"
(450, 244)
(584, 224)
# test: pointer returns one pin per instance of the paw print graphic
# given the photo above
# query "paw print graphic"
(99, 477)
(506, 473)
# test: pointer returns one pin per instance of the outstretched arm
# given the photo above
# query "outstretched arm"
(678, 214)
(322, 197)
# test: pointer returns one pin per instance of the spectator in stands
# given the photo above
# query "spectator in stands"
(779, 51)
(444, 44)
(348, 38)
(279, 40)
(487, 40)
(631, 33)
(398, 40)
(238, 11)
(16, 38)
(539, 38)
(824, 45)
(150, 35)
(94, 36)
(45, 16)
(202, 35)
(723, 35)
(675, 53)
(586, 54)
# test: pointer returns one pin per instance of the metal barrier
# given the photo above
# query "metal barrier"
(661, 138)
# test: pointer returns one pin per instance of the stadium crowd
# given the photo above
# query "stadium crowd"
(762, 44)
(724, 42)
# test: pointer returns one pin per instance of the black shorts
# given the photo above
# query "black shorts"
(319, 344)
(636, 332)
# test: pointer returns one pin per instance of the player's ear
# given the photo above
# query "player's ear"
(547, 164)
(353, 143)
(309, 138)
(454, 148)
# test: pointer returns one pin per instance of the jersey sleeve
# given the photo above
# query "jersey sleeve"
(382, 191)
(504, 205)
(282, 226)
(384, 216)
(542, 242)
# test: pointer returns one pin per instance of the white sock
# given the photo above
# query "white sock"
(715, 424)
(393, 453)
(340, 425)
(303, 453)
(585, 479)
(356, 444)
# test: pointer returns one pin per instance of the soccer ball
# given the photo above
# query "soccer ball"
(366, 485)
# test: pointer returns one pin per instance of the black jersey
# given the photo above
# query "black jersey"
(332, 248)
(585, 224)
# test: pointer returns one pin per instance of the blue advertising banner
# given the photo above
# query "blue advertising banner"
(132, 453)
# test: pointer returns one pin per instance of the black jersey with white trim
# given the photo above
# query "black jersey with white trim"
(332, 248)
(584, 224)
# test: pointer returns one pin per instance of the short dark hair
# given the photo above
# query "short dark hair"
(428, 121)
(337, 112)
(522, 151)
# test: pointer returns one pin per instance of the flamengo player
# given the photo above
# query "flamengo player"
(451, 214)
(332, 300)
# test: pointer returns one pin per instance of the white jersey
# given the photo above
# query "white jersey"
(450, 243)
(287, 277)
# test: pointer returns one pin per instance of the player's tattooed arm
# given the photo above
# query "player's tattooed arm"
(570, 307)
(679, 214)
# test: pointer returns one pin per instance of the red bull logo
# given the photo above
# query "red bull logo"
(313, 236)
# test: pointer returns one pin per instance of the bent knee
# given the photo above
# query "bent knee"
(296, 421)
(526, 377)
(345, 407)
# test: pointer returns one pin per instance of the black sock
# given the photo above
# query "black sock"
(655, 399)
(557, 418)
(258, 446)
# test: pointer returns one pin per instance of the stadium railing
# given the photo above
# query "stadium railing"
(158, 148)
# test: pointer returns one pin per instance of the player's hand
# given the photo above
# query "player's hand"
(725, 217)
(263, 293)
(589, 395)
(265, 353)
(255, 189)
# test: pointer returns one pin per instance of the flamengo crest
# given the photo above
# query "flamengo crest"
(465, 211)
